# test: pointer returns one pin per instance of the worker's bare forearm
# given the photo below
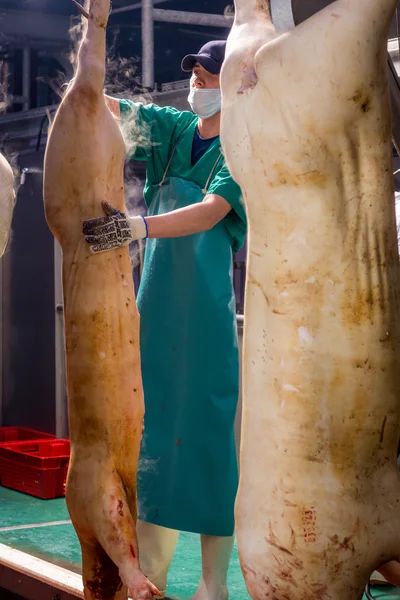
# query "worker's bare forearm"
(189, 220)
(116, 229)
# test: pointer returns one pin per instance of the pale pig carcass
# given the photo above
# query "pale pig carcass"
(7, 202)
(83, 168)
(307, 134)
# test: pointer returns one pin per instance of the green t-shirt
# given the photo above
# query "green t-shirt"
(152, 133)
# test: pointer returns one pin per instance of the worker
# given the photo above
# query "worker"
(187, 479)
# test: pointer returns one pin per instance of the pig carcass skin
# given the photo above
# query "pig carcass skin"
(7, 202)
(306, 131)
(84, 167)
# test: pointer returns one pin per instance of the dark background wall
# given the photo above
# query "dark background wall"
(28, 310)
(172, 42)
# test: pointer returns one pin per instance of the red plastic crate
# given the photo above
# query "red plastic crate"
(35, 467)
(19, 434)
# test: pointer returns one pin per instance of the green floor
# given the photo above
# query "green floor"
(58, 544)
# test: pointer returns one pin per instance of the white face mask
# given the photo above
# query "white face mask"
(205, 103)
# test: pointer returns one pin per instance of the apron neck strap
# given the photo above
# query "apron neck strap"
(205, 189)
(168, 166)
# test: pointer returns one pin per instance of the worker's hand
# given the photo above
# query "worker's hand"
(114, 230)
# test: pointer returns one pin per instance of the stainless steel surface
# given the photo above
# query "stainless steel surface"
(26, 77)
(59, 345)
(394, 87)
(238, 420)
(191, 18)
(147, 44)
(282, 14)
(135, 6)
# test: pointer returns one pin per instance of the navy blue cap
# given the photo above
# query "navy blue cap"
(211, 56)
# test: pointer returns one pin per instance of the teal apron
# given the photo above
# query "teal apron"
(384, 592)
(187, 477)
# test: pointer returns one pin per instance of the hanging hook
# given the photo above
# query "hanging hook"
(81, 9)
(84, 11)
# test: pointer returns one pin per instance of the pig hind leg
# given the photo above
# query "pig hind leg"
(100, 575)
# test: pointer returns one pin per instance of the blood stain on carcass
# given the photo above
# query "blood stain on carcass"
(248, 571)
(106, 582)
(120, 508)
(309, 518)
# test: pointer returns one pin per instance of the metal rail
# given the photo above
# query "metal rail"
(151, 14)
(191, 18)
(282, 14)
(135, 6)
(147, 44)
